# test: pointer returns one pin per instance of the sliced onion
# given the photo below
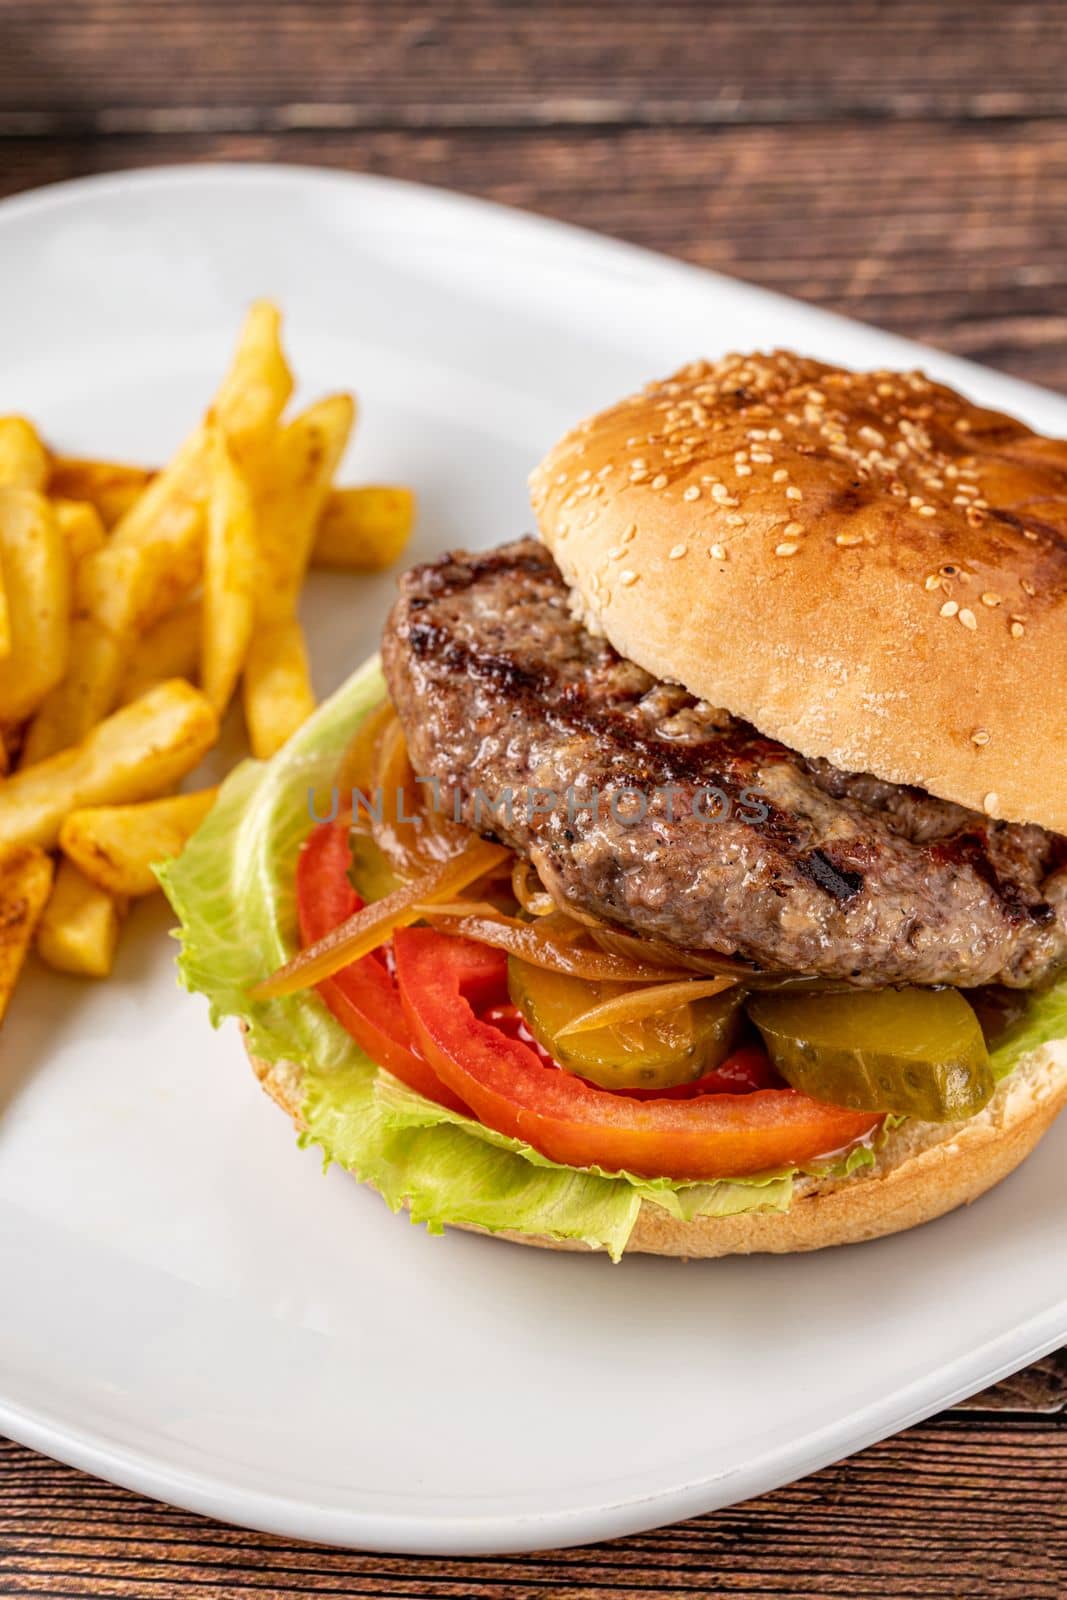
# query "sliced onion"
(363, 932)
(529, 891)
(459, 908)
(531, 943)
(703, 961)
(641, 1003)
(409, 846)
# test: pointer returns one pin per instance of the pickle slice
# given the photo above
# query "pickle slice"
(917, 1052)
(655, 1052)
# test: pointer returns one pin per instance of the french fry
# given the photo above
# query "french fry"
(363, 529)
(169, 650)
(253, 394)
(111, 486)
(82, 527)
(36, 569)
(79, 927)
(229, 576)
(295, 482)
(23, 458)
(86, 694)
(154, 555)
(277, 686)
(128, 588)
(166, 525)
(137, 753)
(5, 616)
(116, 847)
(25, 881)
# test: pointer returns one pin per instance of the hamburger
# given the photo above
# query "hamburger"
(691, 878)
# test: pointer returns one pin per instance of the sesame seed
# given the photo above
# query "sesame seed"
(1017, 630)
(764, 457)
(968, 618)
(616, 552)
(659, 481)
(627, 578)
(734, 521)
(950, 608)
(980, 736)
(1027, 587)
(692, 493)
(933, 582)
(791, 529)
(638, 475)
(989, 804)
(793, 493)
(629, 532)
(584, 475)
(718, 551)
(928, 511)
(780, 475)
(677, 552)
(991, 599)
(786, 549)
(846, 539)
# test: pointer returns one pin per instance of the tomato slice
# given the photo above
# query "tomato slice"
(443, 979)
(363, 996)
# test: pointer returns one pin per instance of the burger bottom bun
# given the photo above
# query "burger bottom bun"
(922, 1170)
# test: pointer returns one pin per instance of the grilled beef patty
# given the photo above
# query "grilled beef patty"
(733, 842)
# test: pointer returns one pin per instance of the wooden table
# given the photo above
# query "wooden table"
(905, 163)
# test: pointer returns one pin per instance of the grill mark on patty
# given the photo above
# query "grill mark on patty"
(651, 761)
(498, 686)
(837, 881)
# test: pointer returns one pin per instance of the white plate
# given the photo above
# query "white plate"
(188, 1307)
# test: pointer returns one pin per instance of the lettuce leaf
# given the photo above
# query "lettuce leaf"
(1045, 1019)
(232, 889)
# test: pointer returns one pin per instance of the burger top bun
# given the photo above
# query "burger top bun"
(865, 566)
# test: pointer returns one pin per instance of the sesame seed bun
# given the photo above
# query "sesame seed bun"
(863, 565)
(923, 1170)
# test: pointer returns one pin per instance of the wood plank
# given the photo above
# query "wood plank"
(956, 235)
(941, 1511)
(1040, 1388)
(106, 66)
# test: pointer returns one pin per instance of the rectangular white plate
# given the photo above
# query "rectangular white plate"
(188, 1307)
